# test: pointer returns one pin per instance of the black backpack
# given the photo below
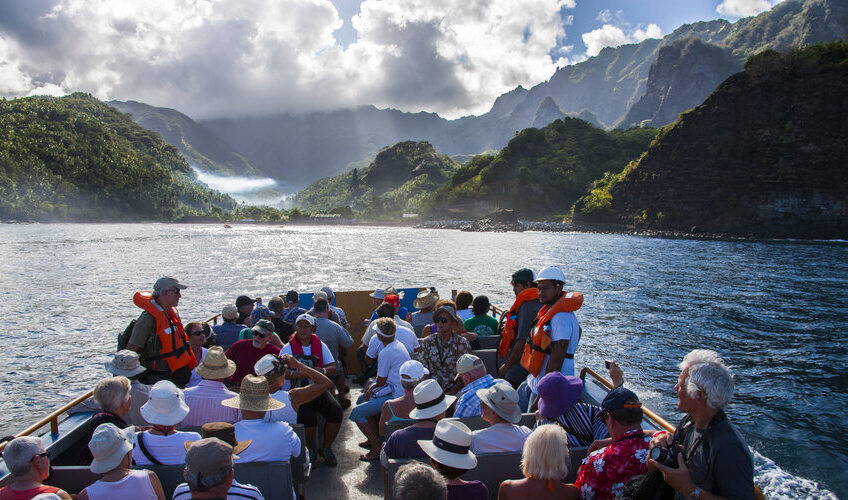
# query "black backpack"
(124, 338)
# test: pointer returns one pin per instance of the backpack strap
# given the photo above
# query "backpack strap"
(145, 451)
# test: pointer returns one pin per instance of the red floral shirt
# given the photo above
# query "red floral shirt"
(604, 472)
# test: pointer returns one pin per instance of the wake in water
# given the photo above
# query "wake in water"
(248, 190)
(777, 484)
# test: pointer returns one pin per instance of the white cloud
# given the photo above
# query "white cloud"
(612, 36)
(212, 58)
(742, 8)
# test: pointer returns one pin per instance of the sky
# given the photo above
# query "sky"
(233, 58)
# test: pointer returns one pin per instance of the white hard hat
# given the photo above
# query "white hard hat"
(550, 273)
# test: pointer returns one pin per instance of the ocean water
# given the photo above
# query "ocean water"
(776, 311)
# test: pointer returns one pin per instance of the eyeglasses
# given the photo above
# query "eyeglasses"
(442, 320)
(43, 455)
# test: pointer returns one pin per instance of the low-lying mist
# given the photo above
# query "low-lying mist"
(249, 190)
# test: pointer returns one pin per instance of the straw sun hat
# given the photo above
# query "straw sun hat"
(224, 431)
(215, 365)
(425, 299)
(253, 396)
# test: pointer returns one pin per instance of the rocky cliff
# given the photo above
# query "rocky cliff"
(765, 155)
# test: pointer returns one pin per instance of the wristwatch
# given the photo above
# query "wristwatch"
(695, 494)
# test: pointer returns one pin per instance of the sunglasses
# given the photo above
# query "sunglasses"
(442, 320)
(260, 334)
(176, 291)
(43, 455)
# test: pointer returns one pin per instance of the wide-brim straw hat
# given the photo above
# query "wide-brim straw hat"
(165, 405)
(430, 400)
(215, 365)
(451, 445)
(224, 431)
(109, 445)
(503, 400)
(425, 299)
(125, 363)
(254, 395)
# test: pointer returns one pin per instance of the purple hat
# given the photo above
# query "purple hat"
(558, 393)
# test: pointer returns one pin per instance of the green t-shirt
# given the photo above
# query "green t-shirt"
(483, 325)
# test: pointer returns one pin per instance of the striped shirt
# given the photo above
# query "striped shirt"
(204, 402)
(581, 423)
(468, 404)
(237, 492)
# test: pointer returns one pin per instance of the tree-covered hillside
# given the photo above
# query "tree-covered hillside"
(400, 179)
(543, 171)
(74, 158)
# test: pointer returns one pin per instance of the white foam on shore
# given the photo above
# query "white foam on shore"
(777, 484)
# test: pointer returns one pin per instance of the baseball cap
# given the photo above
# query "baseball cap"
(209, 457)
(292, 296)
(620, 398)
(243, 300)
(413, 370)
(467, 363)
(524, 274)
(305, 317)
(264, 327)
(167, 282)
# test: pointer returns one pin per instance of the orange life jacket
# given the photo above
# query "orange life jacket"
(173, 344)
(508, 333)
(539, 344)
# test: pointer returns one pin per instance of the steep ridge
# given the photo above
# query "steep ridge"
(198, 145)
(764, 155)
(76, 158)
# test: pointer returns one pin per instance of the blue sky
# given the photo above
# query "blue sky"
(221, 58)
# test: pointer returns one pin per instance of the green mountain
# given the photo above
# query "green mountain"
(542, 171)
(198, 145)
(400, 179)
(765, 154)
(76, 158)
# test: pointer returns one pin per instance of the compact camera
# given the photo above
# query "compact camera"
(665, 456)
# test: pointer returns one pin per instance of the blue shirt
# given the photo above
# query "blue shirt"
(402, 313)
(468, 404)
(226, 334)
(291, 315)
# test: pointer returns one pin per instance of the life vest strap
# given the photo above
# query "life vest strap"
(177, 352)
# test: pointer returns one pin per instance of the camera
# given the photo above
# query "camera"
(665, 456)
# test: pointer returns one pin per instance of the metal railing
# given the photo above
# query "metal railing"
(52, 418)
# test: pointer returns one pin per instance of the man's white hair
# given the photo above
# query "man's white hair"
(111, 392)
(707, 372)
(19, 453)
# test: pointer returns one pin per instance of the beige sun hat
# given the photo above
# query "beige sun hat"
(126, 363)
(254, 395)
(109, 445)
(451, 445)
(503, 400)
(165, 405)
(430, 400)
(425, 299)
(467, 363)
(215, 365)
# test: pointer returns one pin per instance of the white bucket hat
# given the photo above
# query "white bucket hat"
(451, 445)
(430, 400)
(379, 293)
(503, 400)
(109, 445)
(165, 405)
(125, 363)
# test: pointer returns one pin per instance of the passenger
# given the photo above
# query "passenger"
(416, 481)
(209, 469)
(112, 450)
(516, 330)
(713, 458)
(259, 312)
(226, 433)
(267, 327)
(125, 364)
(274, 369)
(245, 353)
(604, 472)
(481, 323)
(403, 334)
(158, 334)
(113, 396)
(397, 410)
(463, 305)
(336, 338)
(227, 332)
(472, 372)
(501, 412)
(162, 445)
(425, 303)
(271, 441)
(332, 315)
(293, 310)
(196, 338)
(459, 329)
(380, 296)
(555, 335)
(310, 351)
(559, 403)
(387, 386)
(544, 462)
(282, 328)
(450, 454)
(29, 465)
(331, 298)
(204, 400)
(245, 306)
(439, 353)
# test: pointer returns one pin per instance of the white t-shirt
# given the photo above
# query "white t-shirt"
(388, 366)
(371, 330)
(285, 414)
(403, 335)
(307, 351)
(272, 441)
(500, 438)
(564, 326)
(168, 450)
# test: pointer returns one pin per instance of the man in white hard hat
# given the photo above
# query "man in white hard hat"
(555, 332)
